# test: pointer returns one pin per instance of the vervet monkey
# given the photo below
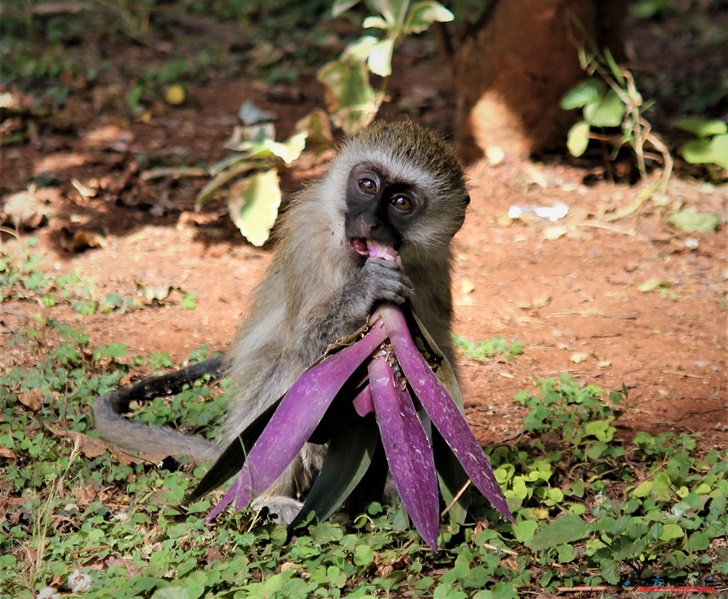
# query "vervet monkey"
(395, 183)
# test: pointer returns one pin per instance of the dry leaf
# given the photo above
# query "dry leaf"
(578, 357)
(495, 155)
(60, 162)
(81, 240)
(84, 191)
(24, 209)
(541, 302)
(555, 232)
(32, 399)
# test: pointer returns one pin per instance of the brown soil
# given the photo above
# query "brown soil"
(574, 302)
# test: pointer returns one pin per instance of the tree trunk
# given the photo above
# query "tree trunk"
(511, 72)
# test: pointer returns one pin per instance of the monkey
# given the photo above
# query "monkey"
(396, 184)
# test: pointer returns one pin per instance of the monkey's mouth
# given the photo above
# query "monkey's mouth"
(373, 249)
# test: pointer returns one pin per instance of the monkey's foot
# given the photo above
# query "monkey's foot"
(282, 509)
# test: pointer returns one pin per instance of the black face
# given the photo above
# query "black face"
(378, 208)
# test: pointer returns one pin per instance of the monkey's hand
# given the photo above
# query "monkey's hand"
(381, 280)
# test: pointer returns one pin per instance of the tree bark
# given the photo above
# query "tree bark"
(513, 69)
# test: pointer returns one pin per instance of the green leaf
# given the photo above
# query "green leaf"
(609, 570)
(350, 98)
(254, 208)
(380, 58)
(374, 23)
(289, 150)
(600, 429)
(702, 127)
(565, 529)
(242, 165)
(341, 6)
(699, 541)
(176, 592)
(363, 555)
(524, 530)
(577, 140)
(614, 67)
(583, 93)
(567, 554)
(694, 222)
(347, 460)
(393, 11)
(423, 14)
(605, 112)
(671, 532)
(707, 151)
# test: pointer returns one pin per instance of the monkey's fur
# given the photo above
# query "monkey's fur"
(395, 183)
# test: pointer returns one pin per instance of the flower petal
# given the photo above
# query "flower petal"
(300, 411)
(441, 408)
(408, 452)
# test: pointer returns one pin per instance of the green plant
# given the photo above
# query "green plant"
(351, 99)
(592, 507)
(609, 100)
(254, 199)
(711, 147)
(489, 348)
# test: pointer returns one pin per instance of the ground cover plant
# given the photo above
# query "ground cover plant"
(109, 118)
(593, 509)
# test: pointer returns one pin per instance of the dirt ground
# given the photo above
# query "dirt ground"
(569, 291)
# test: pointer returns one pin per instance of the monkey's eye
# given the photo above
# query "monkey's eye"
(402, 203)
(368, 186)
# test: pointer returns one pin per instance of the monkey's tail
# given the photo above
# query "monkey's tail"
(116, 429)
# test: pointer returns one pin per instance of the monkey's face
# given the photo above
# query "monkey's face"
(403, 188)
(379, 208)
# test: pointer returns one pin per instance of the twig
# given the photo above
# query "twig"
(455, 499)
(174, 172)
(584, 589)
(681, 373)
(499, 549)
(630, 233)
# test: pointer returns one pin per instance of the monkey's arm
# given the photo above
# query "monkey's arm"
(115, 429)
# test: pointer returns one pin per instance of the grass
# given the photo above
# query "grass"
(592, 508)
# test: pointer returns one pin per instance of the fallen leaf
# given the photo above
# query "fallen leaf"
(495, 155)
(541, 302)
(467, 287)
(80, 240)
(24, 209)
(694, 222)
(60, 162)
(108, 136)
(578, 357)
(84, 191)
(32, 399)
(555, 232)
(652, 285)
(152, 293)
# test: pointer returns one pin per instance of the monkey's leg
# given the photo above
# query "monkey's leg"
(115, 429)
(281, 499)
